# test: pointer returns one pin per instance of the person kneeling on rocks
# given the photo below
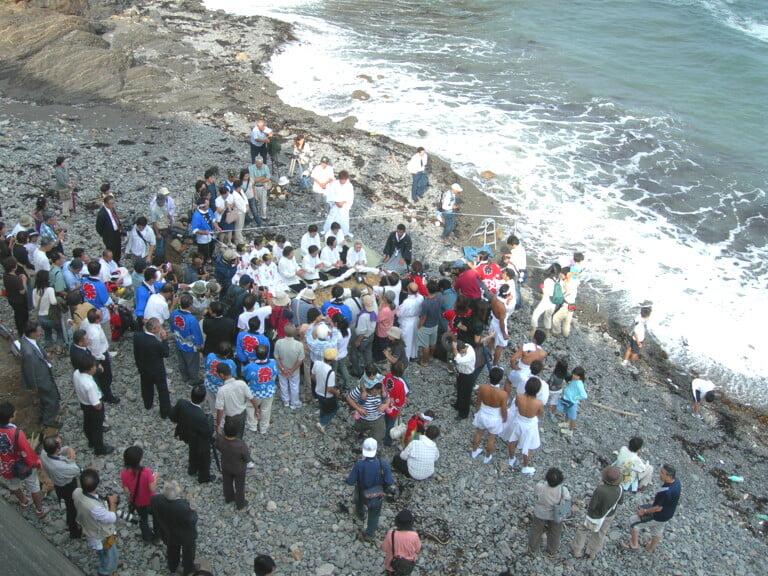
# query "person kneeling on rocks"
(417, 460)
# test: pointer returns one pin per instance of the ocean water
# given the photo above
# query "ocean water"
(632, 130)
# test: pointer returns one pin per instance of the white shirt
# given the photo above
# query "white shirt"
(233, 397)
(257, 134)
(517, 257)
(40, 261)
(338, 192)
(702, 386)
(329, 256)
(98, 340)
(465, 361)
(240, 200)
(262, 312)
(355, 258)
(106, 269)
(267, 275)
(322, 175)
(86, 389)
(139, 245)
(287, 268)
(157, 307)
(421, 455)
(221, 205)
(169, 204)
(310, 264)
(417, 163)
(307, 240)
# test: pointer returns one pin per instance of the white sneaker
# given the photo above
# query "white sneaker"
(286, 404)
(487, 459)
(511, 462)
(296, 406)
(320, 427)
(476, 453)
(625, 362)
(253, 429)
(250, 465)
(528, 470)
(633, 370)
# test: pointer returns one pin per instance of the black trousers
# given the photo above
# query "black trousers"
(103, 377)
(93, 426)
(148, 384)
(20, 316)
(464, 385)
(186, 552)
(400, 465)
(200, 459)
(65, 493)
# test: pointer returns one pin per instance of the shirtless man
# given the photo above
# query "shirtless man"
(522, 358)
(490, 414)
(502, 307)
(526, 427)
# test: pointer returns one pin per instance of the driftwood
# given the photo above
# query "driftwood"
(604, 407)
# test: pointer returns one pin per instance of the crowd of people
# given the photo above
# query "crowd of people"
(246, 320)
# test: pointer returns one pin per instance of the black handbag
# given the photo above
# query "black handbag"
(401, 566)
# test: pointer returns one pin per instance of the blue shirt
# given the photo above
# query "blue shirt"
(143, 293)
(212, 379)
(574, 391)
(330, 308)
(245, 348)
(667, 498)
(95, 292)
(261, 378)
(370, 472)
(187, 330)
(71, 279)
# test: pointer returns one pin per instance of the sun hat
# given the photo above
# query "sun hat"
(281, 299)
(330, 354)
(394, 332)
(198, 288)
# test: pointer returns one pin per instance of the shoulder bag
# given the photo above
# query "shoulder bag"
(375, 493)
(401, 566)
(562, 509)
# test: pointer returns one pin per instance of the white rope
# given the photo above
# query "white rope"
(408, 212)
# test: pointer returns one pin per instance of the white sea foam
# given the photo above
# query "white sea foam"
(732, 14)
(570, 177)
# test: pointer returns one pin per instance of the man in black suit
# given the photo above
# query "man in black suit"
(195, 427)
(78, 349)
(217, 329)
(36, 374)
(150, 348)
(176, 521)
(109, 228)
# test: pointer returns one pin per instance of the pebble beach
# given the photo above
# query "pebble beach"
(151, 94)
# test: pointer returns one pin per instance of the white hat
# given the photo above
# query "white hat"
(322, 332)
(457, 188)
(283, 181)
(370, 447)
(164, 191)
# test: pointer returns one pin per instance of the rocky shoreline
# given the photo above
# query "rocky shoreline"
(151, 95)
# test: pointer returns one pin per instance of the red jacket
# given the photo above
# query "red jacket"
(8, 456)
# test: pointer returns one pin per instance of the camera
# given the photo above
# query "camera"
(127, 516)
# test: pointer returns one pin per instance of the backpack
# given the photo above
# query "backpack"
(439, 203)
(305, 182)
(121, 321)
(557, 297)
(274, 145)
